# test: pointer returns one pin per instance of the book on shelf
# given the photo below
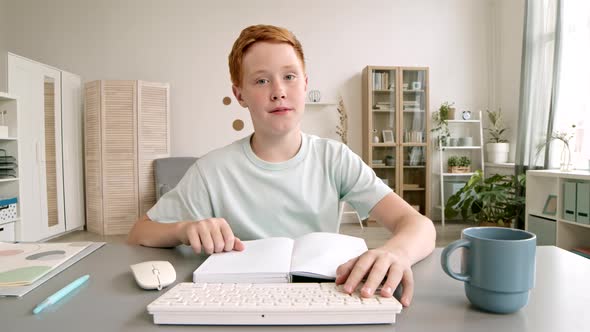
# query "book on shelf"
(279, 259)
(584, 252)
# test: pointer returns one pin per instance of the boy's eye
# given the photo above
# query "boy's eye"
(261, 81)
(290, 77)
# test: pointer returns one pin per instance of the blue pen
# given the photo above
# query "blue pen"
(60, 294)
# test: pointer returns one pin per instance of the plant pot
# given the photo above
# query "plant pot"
(493, 224)
(459, 169)
(452, 112)
(497, 152)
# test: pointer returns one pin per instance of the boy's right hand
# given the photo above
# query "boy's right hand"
(209, 235)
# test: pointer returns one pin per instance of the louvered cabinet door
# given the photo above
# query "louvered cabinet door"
(119, 155)
(153, 136)
(92, 157)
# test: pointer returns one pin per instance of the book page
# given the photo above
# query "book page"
(266, 256)
(319, 254)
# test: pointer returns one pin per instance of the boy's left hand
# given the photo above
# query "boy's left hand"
(377, 264)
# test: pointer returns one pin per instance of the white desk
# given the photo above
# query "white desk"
(111, 301)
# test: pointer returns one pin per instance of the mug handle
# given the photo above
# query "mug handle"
(444, 259)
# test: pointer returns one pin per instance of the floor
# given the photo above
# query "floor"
(373, 234)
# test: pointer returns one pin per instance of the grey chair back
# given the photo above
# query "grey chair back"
(169, 171)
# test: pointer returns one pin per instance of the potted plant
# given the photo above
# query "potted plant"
(389, 160)
(497, 147)
(489, 202)
(459, 164)
(440, 118)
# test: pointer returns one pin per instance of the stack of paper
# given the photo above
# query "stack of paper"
(7, 165)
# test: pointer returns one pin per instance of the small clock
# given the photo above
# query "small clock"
(466, 115)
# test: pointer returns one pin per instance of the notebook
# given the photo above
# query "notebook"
(279, 259)
(24, 266)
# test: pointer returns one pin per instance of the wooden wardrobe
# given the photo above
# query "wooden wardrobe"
(126, 128)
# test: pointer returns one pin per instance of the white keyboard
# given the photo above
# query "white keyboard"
(269, 304)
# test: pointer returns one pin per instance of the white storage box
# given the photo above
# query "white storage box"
(7, 232)
(7, 209)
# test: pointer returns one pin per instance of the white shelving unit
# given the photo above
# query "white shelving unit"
(472, 128)
(553, 228)
(10, 187)
(320, 103)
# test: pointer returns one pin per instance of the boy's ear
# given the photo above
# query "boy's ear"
(238, 94)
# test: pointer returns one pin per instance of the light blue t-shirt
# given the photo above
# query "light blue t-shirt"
(260, 199)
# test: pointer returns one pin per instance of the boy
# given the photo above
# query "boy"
(282, 182)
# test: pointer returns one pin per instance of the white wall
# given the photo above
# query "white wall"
(3, 44)
(186, 43)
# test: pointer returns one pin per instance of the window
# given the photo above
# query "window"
(572, 105)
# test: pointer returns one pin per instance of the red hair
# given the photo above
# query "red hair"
(254, 34)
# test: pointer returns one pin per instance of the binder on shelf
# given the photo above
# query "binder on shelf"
(583, 202)
(569, 201)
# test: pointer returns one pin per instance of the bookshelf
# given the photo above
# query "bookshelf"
(10, 184)
(549, 220)
(396, 130)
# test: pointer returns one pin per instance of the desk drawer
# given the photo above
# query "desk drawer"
(7, 232)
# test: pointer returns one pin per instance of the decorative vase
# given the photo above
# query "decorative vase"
(565, 165)
(375, 139)
(465, 141)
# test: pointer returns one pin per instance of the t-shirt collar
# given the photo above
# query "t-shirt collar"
(280, 165)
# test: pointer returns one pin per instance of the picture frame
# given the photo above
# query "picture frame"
(550, 207)
(388, 136)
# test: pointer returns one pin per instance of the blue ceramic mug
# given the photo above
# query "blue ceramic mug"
(497, 266)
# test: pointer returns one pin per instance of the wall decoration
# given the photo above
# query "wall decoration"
(238, 125)
(342, 128)
(226, 101)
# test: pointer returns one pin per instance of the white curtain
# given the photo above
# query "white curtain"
(572, 100)
(540, 42)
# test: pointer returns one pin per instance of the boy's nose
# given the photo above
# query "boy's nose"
(277, 92)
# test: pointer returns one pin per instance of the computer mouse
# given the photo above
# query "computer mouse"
(153, 274)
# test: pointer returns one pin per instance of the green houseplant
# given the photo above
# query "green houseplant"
(459, 164)
(491, 201)
(497, 147)
(440, 118)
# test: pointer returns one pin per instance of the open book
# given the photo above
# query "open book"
(276, 260)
